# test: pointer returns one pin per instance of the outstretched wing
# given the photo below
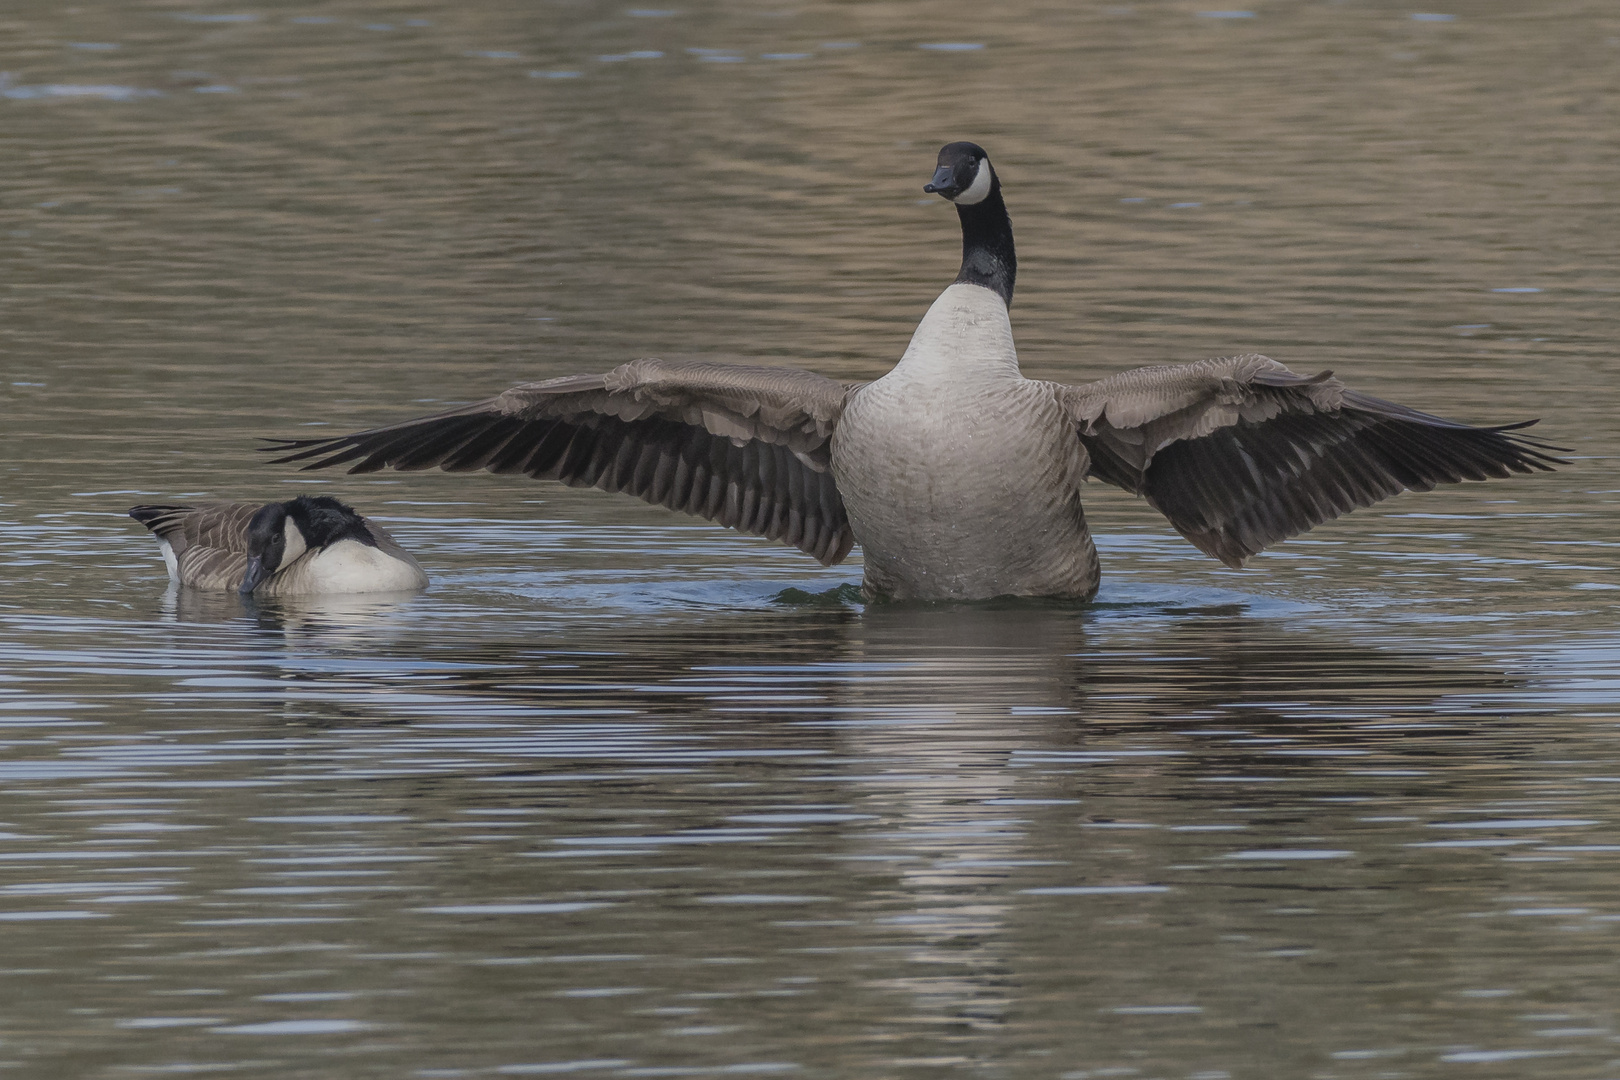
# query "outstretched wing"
(744, 446)
(1240, 453)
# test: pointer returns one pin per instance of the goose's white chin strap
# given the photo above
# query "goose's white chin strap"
(979, 189)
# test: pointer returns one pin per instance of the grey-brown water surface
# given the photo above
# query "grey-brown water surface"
(624, 795)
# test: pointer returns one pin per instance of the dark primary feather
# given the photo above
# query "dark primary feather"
(1240, 453)
(740, 445)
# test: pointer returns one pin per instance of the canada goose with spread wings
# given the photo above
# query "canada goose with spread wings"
(959, 478)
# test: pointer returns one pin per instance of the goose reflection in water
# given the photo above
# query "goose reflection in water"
(905, 767)
(1095, 673)
(335, 612)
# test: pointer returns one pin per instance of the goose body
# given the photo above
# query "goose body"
(306, 546)
(960, 478)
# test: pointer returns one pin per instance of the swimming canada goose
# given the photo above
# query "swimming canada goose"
(959, 478)
(302, 547)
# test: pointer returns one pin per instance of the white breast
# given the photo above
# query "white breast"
(966, 336)
(347, 566)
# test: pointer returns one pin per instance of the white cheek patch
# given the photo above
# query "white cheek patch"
(979, 189)
(294, 545)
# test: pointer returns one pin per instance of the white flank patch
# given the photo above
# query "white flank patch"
(979, 189)
(169, 560)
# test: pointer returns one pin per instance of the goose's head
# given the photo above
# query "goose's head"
(279, 534)
(964, 175)
(966, 178)
(273, 540)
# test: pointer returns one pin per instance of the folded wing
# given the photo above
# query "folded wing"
(212, 525)
(1240, 453)
(208, 540)
(743, 446)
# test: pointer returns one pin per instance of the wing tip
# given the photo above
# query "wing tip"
(1218, 545)
(835, 552)
(148, 513)
(328, 452)
(1531, 453)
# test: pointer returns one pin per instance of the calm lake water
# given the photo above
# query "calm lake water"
(625, 795)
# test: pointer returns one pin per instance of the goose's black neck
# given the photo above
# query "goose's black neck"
(987, 244)
(324, 521)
